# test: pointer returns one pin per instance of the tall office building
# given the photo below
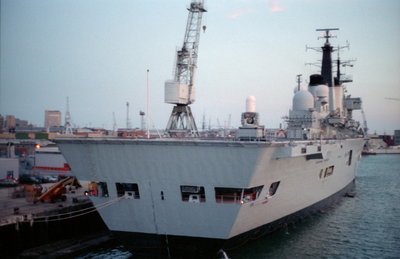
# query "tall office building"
(52, 118)
(10, 122)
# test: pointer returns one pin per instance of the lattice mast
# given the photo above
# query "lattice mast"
(180, 91)
(68, 120)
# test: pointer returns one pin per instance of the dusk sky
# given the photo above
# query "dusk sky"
(97, 52)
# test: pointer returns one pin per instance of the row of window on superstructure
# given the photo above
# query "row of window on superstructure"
(189, 193)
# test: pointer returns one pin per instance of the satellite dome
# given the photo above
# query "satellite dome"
(321, 91)
(299, 88)
(303, 100)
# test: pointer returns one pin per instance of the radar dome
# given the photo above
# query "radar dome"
(321, 91)
(299, 88)
(303, 100)
(250, 104)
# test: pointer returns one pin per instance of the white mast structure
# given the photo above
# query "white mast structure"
(180, 91)
(128, 121)
(68, 121)
(115, 128)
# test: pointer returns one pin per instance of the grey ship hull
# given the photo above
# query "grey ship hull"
(310, 175)
(182, 246)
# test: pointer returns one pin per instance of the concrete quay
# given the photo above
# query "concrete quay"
(26, 225)
(17, 209)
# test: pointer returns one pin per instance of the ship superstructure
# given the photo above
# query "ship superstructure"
(322, 111)
(172, 195)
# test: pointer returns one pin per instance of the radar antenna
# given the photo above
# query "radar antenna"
(180, 91)
(327, 35)
(339, 63)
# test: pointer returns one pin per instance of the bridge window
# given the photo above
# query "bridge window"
(131, 190)
(329, 171)
(193, 194)
(273, 188)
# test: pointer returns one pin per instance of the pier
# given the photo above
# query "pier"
(29, 228)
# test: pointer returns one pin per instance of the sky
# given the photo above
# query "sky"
(97, 52)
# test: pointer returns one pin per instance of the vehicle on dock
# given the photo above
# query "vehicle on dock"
(49, 179)
(28, 179)
(8, 182)
(55, 193)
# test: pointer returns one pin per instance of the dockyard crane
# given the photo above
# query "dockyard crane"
(181, 91)
(68, 122)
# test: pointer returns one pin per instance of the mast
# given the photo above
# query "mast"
(326, 66)
(115, 128)
(327, 49)
(128, 121)
(298, 81)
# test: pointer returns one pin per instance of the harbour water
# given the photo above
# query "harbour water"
(364, 226)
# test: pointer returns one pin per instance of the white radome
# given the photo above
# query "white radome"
(303, 100)
(299, 88)
(321, 91)
(250, 104)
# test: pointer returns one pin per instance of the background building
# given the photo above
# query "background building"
(1, 123)
(9, 123)
(396, 137)
(52, 119)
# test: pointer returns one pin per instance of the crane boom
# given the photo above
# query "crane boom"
(187, 57)
(180, 91)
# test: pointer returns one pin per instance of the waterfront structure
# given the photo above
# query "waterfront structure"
(9, 168)
(1, 123)
(396, 138)
(52, 119)
(10, 122)
(50, 161)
